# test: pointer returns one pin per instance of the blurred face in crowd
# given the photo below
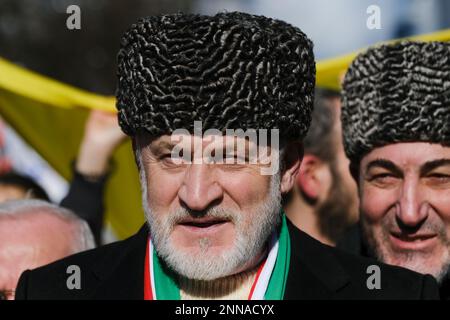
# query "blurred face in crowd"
(11, 192)
(325, 185)
(209, 220)
(340, 208)
(28, 242)
(405, 205)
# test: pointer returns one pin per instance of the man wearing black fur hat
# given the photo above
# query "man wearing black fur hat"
(201, 97)
(396, 126)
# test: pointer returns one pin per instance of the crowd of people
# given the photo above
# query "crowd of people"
(363, 180)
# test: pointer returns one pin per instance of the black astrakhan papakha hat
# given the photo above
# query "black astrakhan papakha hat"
(396, 93)
(230, 71)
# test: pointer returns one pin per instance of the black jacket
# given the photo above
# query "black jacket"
(317, 271)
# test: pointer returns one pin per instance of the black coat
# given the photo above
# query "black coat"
(317, 271)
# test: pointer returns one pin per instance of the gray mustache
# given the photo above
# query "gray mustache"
(215, 212)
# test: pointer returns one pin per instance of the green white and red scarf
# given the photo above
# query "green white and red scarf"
(269, 283)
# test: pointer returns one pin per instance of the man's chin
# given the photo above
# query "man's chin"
(417, 261)
(192, 263)
(203, 249)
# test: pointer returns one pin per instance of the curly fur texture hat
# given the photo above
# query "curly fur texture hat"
(396, 93)
(230, 71)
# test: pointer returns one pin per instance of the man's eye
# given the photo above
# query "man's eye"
(383, 178)
(235, 159)
(439, 178)
(165, 156)
(170, 160)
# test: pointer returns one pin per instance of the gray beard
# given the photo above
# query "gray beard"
(251, 236)
(410, 260)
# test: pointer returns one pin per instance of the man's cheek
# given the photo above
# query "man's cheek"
(246, 192)
(375, 203)
(162, 196)
(440, 201)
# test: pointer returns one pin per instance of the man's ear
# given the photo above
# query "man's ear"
(308, 180)
(293, 155)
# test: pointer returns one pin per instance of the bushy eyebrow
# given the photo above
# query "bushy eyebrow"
(160, 147)
(431, 165)
(385, 164)
(164, 145)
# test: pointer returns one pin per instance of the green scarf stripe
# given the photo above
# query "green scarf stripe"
(165, 286)
(278, 279)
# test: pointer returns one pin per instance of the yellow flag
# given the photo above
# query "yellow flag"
(50, 116)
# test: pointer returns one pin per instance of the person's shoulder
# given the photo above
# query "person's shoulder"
(366, 278)
(52, 281)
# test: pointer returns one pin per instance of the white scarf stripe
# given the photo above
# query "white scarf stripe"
(152, 276)
(266, 272)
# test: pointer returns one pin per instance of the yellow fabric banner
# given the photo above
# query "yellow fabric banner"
(50, 116)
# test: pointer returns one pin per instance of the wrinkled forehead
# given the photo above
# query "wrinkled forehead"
(249, 140)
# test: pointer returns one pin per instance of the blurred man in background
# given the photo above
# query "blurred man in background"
(396, 124)
(324, 201)
(34, 233)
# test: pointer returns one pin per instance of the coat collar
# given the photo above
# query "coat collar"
(121, 276)
(315, 272)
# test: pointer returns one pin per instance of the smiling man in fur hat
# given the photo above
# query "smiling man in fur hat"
(215, 228)
(396, 125)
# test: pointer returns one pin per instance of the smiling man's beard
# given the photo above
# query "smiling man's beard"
(252, 232)
(413, 260)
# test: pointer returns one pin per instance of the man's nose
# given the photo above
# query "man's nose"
(412, 208)
(199, 189)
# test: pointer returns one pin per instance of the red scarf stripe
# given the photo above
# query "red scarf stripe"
(148, 294)
(256, 280)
